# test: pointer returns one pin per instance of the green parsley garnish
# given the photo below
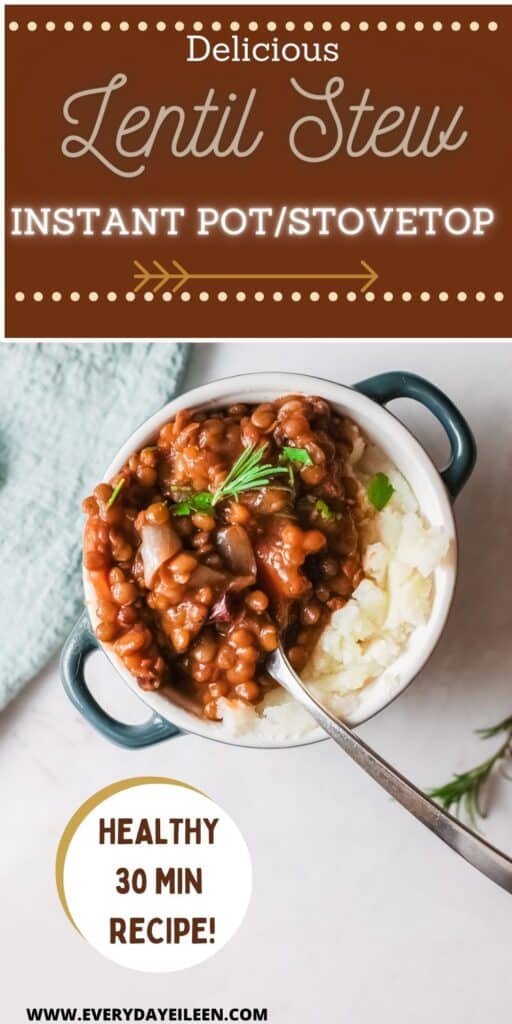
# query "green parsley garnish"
(322, 507)
(200, 502)
(379, 490)
(248, 473)
(298, 455)
(115, 493)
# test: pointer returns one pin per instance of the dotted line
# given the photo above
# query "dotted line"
(258, 296)
(254, 26)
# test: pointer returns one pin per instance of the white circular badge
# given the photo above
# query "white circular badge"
(154, 874)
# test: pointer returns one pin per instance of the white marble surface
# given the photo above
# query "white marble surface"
(358, 914)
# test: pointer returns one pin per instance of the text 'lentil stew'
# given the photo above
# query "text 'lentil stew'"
(236, 526)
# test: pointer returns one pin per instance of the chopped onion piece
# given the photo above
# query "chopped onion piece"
(159, 544)
(236, 549)
(226, 607)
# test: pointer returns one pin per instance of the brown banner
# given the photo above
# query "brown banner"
(262, 171)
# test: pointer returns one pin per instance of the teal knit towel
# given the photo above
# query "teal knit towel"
(65, 409)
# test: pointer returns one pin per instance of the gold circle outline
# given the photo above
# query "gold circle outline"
(85, 809)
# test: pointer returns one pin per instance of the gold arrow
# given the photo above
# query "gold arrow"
(158, 278)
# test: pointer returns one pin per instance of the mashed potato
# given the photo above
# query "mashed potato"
(400, 553)
(365, 637)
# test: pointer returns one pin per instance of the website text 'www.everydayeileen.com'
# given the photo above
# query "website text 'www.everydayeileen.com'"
(135, 1015)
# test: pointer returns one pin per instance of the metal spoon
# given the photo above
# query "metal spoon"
(486, 858)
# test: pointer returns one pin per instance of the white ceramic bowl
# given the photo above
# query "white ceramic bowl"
(396, 442)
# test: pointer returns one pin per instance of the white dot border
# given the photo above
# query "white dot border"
(257, 295)
(255, 26)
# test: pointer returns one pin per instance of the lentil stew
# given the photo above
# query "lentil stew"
(236, 526)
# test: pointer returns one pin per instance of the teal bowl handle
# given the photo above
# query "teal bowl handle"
(396, 384)
(80, 644)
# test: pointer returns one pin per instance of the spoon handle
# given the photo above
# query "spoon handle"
(486, 858)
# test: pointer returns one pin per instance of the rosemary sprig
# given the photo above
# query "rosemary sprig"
(466, 790)
(494, 730)
(248, 473)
